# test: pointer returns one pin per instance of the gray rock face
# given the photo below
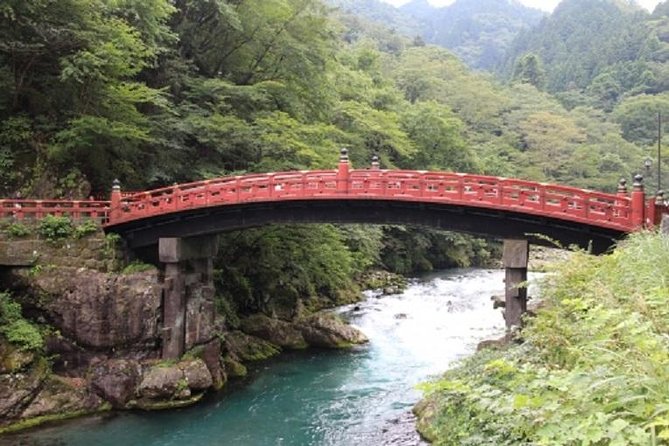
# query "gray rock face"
(328, 331)
(101, 310)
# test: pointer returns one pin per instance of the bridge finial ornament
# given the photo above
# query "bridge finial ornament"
(116, 185)
(638, 181)
(622, 186)
(375, 162)
(659, 197)
(343, 155)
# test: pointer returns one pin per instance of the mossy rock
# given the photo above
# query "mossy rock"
(234, 368)
(250, 348)
(278, 332)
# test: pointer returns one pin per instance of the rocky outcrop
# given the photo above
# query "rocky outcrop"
(131, 383)
(323, 329)
(278, 332)
(329, 331)
(19, 389)
(387, 282)
(63, 396)
(101, 310)
(180, 384)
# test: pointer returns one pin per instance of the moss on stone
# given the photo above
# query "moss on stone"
(32, 422)
(168, 404)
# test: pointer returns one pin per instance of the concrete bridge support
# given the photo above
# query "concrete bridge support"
(188, 295)
(515, 257)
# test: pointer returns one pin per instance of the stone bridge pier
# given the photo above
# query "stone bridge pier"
(188, 294)
(515, 257)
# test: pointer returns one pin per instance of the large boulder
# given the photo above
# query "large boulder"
(166, 381)
(278, 332)
(161, 382)
(196, 374)
(329, 331)
(116, 380)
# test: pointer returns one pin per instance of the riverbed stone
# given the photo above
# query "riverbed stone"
(278, 332)
(326, 330)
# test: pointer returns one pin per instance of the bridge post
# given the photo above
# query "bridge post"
(115, 200)
(515, 257)
(188, 293)
(375, 163)
(638, 203)
(342, 172)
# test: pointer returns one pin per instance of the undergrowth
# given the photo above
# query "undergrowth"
(594, 369)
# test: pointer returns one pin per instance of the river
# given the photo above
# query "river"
(325, 398)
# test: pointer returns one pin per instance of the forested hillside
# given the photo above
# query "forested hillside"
(478, 31)
(608, 55)
(154, 92)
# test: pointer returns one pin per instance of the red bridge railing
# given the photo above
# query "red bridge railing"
(23, 210)
(621, 211)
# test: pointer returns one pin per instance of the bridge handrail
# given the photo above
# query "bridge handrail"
(507, 194)
(565, 202)
(37, 209)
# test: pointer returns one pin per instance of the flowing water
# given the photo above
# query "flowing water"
(344, 398)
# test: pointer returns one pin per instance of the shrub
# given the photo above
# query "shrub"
(15, 328)
(593, 369)
(54, 228)
(86, 228)
(18, 230)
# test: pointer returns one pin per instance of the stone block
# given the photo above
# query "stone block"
(175, 249)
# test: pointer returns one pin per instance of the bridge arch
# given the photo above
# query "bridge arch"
(475, 204)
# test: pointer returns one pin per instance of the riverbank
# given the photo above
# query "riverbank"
(81, 334)
(592, 368)
(323, 397)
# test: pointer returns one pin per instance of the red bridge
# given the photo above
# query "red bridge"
(484, 205)
(182, 222)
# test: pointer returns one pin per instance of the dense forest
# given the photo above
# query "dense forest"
(156, 92)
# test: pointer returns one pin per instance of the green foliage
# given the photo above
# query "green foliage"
(410, 250)
(279, 268)
(15, 328)
(593, 368)
(52, 228)
(86, 228)
(18, 230)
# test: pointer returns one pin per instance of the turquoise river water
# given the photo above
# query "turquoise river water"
(329, 398)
